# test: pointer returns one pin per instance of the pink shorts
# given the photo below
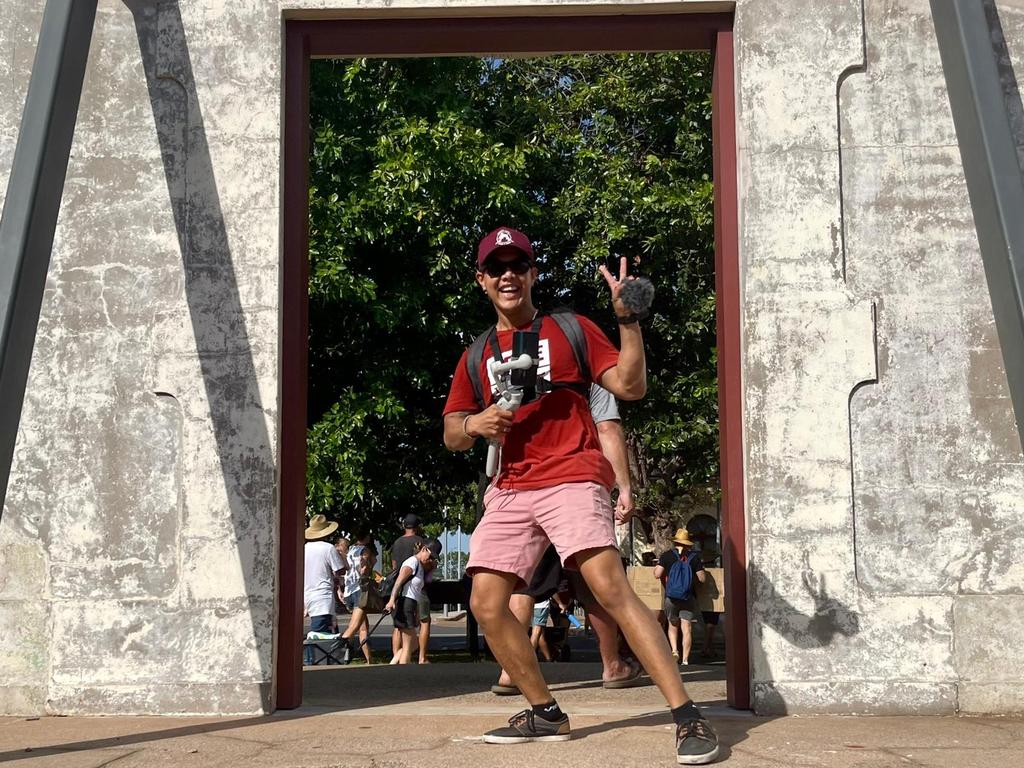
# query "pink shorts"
(517, 526)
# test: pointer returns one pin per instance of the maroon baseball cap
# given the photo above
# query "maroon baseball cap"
(503, 237)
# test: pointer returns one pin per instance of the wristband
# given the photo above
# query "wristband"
(628, 319)
(466, 431)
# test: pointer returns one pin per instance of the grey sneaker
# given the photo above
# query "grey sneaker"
(525, 726)
(696, 742)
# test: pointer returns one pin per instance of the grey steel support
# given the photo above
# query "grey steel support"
(994, 179)
(33, 199)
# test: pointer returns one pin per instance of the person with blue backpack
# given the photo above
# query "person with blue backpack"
(680, 570)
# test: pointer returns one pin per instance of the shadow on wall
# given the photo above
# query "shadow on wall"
(223, 347)
(828, 620)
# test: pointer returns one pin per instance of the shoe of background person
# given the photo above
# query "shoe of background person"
(504, 690)
(526, 726)
(346, 650)
(696, 742)
(675, 656)
(629, 681)
(684, 662)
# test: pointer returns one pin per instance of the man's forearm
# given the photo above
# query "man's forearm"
(457, 434)
(632, 365)
(613, 445)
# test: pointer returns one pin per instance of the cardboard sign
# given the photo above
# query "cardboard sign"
(711, 594)
(648, 589)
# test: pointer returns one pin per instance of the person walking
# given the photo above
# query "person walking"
(361, 557)
(412, 578)
(679, 569)
(402, 549)
(552, 485)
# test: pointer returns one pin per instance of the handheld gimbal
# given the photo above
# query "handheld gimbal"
(510, 397)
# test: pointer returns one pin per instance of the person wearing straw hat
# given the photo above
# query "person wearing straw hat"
(324, 569)
(679, 569)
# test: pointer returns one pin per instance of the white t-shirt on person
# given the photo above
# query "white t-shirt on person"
(413, 588)
(322, 561)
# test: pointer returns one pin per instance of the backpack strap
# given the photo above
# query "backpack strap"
(569, 324)
(570, 327)
(474, 358)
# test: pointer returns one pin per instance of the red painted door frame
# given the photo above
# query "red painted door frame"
(341, 38)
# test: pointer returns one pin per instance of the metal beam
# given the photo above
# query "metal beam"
(34, 192)
(994, 179)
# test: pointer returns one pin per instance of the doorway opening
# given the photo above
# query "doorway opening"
(500, 38)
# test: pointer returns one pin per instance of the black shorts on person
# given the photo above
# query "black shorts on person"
(548, 577)
(405, 614)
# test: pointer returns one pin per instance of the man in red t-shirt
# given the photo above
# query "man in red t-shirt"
(552, 485)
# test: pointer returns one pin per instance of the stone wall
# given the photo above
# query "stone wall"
(884, 466)
(137, 547)
(884, 483)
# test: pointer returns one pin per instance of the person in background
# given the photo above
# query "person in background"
(341, 543)
(709, 557)
(323, 570)
(361, 558)
(401, 550)
(540, 620)
(369, 601)
(680, 612)
(404, 603)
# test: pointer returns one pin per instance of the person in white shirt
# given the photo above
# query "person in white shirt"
(323, 568)
(409, 587)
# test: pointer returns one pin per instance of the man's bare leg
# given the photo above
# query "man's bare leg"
(364, 635)
(539, 643)
(505, 636)
(358, 618)
(608, 643)
(602, 571)
(424, 640)
(522, 608)
(687, 628)
(673, 636)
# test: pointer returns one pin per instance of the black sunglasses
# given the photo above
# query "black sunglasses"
(499, 268)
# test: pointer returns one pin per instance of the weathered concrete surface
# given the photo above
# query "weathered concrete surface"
(884, 473)
(386, 716)
(884, 466)
(140, 524)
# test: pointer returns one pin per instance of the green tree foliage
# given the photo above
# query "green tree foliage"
(411, 162)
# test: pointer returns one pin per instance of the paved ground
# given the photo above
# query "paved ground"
(392, 717)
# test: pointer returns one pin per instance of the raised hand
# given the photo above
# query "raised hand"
(616, 284)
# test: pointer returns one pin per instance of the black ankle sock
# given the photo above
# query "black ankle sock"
(687, 711)
(549, 712)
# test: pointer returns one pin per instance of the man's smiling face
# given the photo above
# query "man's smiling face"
(507, 278)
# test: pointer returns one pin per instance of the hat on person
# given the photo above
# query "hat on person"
(502, 237)
(435, 547)
(319, 528)
(411, 521)
(682, 537)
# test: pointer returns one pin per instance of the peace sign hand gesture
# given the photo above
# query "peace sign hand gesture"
(616, 286)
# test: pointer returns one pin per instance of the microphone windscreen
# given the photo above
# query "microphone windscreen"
(637, 295)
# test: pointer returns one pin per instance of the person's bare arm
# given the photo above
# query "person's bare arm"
(461, 429)
(403, 576)
(658, 571)
(613, 445)
(628, 379)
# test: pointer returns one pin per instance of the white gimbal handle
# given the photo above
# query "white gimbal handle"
(510, 399)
